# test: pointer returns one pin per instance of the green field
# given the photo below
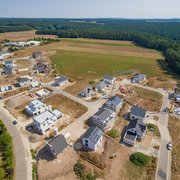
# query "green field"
(83, 65)
(83, 41)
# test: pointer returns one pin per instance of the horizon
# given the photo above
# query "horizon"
(84, 9)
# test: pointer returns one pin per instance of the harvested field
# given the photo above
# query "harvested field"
(67, 106)
(22, 35)
(145, 98)
(174, 126)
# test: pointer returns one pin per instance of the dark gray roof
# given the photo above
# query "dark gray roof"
(8, 62)
(8, 70)
(138, 125)
(58, 144)
(130, 136)
(101, 85)
(61, 79)
(37, 53)
(103, 113)
(87, 90)
(108, 77)
(23, 79)
(138, 77)
(93, 134)
(116, 100)
(138, 111)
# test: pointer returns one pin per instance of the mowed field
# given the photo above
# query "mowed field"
(22, 35)
(90, 59)
(85, 59)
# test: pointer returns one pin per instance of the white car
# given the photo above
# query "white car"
(169, 146)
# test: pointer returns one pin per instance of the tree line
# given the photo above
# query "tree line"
(170, 48)
(6, 152)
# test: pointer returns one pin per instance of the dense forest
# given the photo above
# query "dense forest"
(162, 35)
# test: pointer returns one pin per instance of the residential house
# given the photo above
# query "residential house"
(103, 118)
(87, 92)
(56, 145)
(7, 70)
(42, 67)
(37, 54)
(43, 93)
(138, 78)
(137, 113)
(61, 81)
(23, 81)
(101, 86)
(109, 79)
(8, 67)
(135, 130)
(92, 138)
(34, 83)
(177, 98)
(46, 120)
(114, 103)
(9, 64)
(6, 88)
(36, 107)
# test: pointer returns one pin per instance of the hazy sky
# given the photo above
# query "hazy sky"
(90, 8)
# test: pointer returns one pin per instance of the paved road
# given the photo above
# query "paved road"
(23, 165)
(76, 129)
(164, 161)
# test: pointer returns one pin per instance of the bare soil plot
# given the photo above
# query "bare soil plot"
(162, 82)
(62, 168)
(14, 92)
(145, 98)
(174, 126)
(67, 106)
(77, 87)
(23, 63)
(6, 81)
(22, 35)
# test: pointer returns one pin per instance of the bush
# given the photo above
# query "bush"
(139, 159)
(114, 133)
(80, 172)
(79, 169)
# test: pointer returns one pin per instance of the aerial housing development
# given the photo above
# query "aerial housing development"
(73, 107)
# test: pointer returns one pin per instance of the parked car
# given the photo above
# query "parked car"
(169, 146)
(14, 122)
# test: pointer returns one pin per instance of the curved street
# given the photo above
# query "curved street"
(23, 167)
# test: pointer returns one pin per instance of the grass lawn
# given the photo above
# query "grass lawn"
(82, 65)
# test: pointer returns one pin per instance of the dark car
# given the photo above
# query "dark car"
(169, 146)
(14, 122)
